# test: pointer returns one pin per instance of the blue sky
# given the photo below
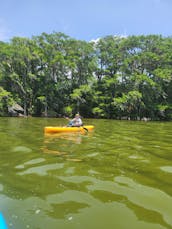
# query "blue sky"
(85, 19)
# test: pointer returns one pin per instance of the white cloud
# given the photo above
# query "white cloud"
(95, 40)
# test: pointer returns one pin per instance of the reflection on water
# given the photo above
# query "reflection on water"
(122, 170)
(75, 137)
(58, 144)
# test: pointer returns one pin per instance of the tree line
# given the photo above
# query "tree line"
(113, 77)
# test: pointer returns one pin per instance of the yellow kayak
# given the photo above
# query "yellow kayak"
(65, 129)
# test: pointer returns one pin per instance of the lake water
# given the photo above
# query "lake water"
(118, 176)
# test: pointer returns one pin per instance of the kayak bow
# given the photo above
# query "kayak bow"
(2, 222)
(59, 129)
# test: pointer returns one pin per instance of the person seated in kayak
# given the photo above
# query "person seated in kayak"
(76, 121)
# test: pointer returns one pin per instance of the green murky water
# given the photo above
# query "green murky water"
(119, 176)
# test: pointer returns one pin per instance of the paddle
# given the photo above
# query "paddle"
(85, 128)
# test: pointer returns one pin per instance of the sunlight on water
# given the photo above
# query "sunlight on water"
(118, 176)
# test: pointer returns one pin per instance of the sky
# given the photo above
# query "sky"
(84, 19)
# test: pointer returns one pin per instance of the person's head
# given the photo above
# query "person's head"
(77, 116)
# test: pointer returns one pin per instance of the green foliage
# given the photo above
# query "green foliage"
(98, 112)
(5, 101)
(68, 111)
(128, 102)
(110, 78)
